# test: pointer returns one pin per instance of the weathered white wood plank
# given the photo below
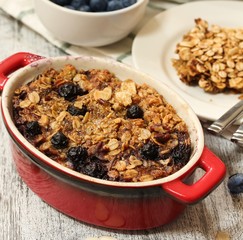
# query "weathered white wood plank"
(23, 216)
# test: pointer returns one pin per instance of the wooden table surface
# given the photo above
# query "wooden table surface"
(24, 216)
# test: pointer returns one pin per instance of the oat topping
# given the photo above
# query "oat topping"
(94, 123)
(211, 57)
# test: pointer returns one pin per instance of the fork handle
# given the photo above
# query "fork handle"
(238, 136)
(226, 119)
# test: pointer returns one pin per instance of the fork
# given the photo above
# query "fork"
(230, 124)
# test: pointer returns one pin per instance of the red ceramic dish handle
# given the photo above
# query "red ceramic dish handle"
(215, 171)
(13, 63)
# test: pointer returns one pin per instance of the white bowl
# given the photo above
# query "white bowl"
(90, 29)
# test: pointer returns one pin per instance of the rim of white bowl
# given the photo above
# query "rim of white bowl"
(16, 135)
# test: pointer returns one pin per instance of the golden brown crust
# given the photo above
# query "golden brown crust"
(211, 57)
(110, 137)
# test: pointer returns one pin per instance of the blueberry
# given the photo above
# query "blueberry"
(33, 128)
(181, 153)
(149, 151)
(134, 111)
(94, 168)
(61, 2)
(77, 3)
(235, 183)
(77, 154)
(98, 5)
(74, 111)
(114, 5)
(85, 8)
(89, 168)
(127, 3)
(68, 90)
(59, 140)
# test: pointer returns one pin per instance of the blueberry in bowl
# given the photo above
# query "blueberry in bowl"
(90, 23)
(95, 5)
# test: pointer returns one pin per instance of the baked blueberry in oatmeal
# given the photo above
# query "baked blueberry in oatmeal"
(96, 124)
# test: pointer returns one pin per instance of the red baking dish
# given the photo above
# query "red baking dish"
(118, 205)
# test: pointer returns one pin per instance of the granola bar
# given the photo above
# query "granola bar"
(211, 57)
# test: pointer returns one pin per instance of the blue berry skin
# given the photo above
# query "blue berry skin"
(95, 5)
(114, 5)
(74, 111)
(235, 183)
(98, 5)
(68, 90)
(127, 3)
(149, 151)
(134, 111)
(77, 154)
(85, 8)
(62, 2)
(94, 168)
(33, 128)
(59, 140)
(77, 3)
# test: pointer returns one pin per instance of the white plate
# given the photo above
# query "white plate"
(154, 46)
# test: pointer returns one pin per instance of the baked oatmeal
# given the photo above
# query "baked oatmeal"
(211, 57)
(96, 124)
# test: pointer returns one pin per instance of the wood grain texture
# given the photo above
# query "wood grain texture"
(24, 216)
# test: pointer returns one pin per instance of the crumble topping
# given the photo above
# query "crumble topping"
(96, 124)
